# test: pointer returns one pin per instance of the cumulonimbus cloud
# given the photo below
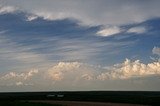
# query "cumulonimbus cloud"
(131, 69)
(126, 70)
(71, 70)
(76, 72)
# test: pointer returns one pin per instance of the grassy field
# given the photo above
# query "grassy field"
(132, 97)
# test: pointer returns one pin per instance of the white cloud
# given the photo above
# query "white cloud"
(49, 16)
(137, 30)
(109, 31)
(7, 9)
(57, 72)
(101, 12)
(156, 50)
(66, 75)
(131, 69)
(70, 70)
(128, 69)
(19, 76)
(31, 17)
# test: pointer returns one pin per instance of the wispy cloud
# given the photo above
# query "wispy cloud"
(109, 31)
(93, 12)
(31, 17)
(7, 9)
(137, 30)
(9, 52)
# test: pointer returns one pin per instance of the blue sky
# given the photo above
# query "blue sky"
(104, 42)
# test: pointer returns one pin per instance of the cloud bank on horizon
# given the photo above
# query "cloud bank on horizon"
(85, 44)
(73, 74)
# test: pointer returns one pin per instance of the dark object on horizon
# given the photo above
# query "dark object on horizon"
(55, 95)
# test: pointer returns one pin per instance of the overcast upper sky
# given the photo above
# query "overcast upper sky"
(79, 45)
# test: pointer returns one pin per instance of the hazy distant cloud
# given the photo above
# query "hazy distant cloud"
(109, 31)
(20, 76)
(19, 83)
(137, 30)
(156, 50)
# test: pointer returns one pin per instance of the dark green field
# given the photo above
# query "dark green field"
(133, 97)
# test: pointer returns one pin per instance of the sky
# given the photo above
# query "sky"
(77, 45)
